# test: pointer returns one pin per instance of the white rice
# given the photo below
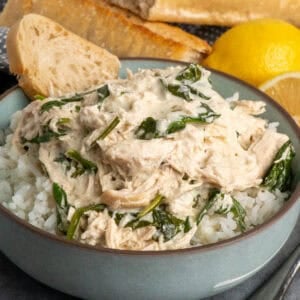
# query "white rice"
(24, 190)
(28, 194)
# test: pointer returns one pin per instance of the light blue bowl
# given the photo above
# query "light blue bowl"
(92, 273)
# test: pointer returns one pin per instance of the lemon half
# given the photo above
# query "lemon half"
(285, 89)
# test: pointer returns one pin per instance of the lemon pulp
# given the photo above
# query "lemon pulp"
(285, 89)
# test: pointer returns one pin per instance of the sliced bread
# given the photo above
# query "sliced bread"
(113, 28)
(52, 61)
(213, 12)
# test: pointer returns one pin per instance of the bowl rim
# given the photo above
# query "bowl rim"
(201, 248)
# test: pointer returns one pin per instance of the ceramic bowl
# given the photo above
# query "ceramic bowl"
(92, 273)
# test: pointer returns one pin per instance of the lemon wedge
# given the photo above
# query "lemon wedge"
(285, 89)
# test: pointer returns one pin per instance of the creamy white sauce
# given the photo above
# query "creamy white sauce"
(225, 152)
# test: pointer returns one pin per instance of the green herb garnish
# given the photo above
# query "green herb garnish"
(114, 123)
(39, 97)
(63, 159)
(62, 207)
(168, 224)
(236, 208)
(59, 103)
(190, 74)
(45, 136)
(213, 196)
(136, 222)
(73, 159)
(119, 217)
(81, 164)
(239, 214)
(187, 77)
(181, 91)
(187, 225)
(154, 203)
(147, 130)
(77, 216)
(198, 93)
(103, 92)
(203, 118)
(63, 121)
(280, 173)
(50, 104)
(185, 91)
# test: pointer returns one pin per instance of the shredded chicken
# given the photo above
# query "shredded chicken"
(126, 238)
(98, 151)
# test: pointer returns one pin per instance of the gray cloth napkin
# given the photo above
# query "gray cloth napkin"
(3, 34)
(3, 55)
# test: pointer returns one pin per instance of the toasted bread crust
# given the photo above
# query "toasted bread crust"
(213, 12)
(117, 30)
(13, 11)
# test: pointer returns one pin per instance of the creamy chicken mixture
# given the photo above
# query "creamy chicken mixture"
(138, 163)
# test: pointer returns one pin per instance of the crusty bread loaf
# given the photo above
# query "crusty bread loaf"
(213, 12)
(115, 29)
(51, 61)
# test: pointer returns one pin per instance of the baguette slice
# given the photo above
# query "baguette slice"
(51, 61)
(213, 12)
(115, 29)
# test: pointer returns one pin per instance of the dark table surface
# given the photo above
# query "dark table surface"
(15, 284)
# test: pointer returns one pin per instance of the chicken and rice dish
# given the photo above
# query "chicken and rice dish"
(156, 161)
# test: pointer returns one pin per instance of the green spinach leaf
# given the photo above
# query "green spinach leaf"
(62, 207)
(280, 173)
(167, 224)
(190, 74)
(39, 97)
(154, 203)
(181, 91)
(45, 136)
(59, 103)
(137, 223)
(239, 214)
(77, 216)
(103, 92)
(147, 130)
(81, 164)
(203, 118)
(114, 123)
(213, 196)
